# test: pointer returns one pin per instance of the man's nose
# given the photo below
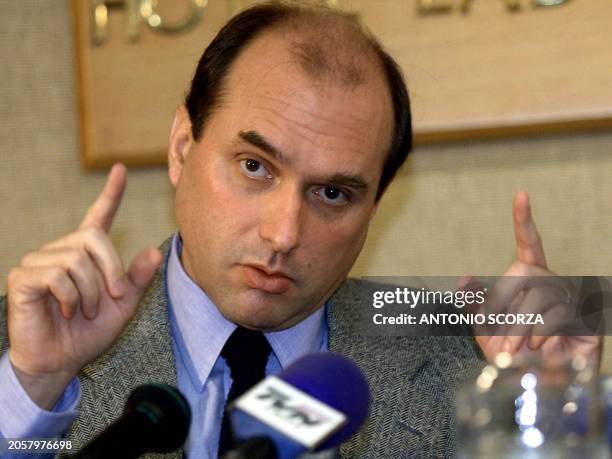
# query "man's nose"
(280, 224)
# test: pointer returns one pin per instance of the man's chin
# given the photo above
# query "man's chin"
(261, 322)
(260, 312)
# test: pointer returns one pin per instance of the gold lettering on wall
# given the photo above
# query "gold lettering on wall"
(549, 2)
(485, 76)
(432, 7)
(147, 12)
(511, 5)
(137, 12)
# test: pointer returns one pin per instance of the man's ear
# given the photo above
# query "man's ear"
(181, 141)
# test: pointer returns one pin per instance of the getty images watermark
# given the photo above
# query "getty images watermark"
(488, 306)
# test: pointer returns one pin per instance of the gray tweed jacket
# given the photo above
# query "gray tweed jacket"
(412, 380)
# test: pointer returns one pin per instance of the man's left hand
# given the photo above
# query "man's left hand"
(529, 286)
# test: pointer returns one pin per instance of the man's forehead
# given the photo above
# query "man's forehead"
(284, 128)
(267, 72)
(262, 58)
(267, 92)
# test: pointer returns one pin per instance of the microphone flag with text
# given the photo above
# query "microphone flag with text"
(317, 403)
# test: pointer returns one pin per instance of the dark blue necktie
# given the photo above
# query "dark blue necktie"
(246, 354)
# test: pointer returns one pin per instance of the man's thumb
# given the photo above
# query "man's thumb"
(141, 271)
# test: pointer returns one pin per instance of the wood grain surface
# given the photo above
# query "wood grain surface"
(485, 73)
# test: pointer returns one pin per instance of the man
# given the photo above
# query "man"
(294, 126)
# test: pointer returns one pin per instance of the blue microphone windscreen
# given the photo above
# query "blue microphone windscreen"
(337, 382)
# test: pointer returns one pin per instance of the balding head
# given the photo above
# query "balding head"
(330, 46)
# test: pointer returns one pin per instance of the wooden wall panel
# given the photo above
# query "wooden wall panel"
(487, 72)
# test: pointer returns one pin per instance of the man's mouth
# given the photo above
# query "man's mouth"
(262, 278)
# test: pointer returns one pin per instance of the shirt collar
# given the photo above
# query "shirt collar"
(204, 331)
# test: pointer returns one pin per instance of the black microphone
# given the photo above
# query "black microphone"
(156, 419)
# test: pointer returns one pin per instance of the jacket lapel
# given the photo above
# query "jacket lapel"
(391, 366)
(143, 354)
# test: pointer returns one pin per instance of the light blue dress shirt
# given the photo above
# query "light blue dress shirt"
(199, 332)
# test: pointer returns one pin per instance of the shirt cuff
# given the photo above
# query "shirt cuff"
(21, 418)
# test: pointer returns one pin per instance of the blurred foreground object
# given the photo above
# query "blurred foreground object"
(532, 409)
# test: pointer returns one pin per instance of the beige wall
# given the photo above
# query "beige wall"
(447, 213)
(43, 189)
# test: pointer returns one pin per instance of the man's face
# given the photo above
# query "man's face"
(273, 203)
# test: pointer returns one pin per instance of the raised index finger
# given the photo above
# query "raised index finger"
(529, 247)
(103, 210)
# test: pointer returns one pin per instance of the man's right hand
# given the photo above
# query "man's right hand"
(69, 300)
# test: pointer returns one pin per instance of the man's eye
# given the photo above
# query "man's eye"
(332, 195)
(253, 168)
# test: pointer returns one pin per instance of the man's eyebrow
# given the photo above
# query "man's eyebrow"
(259, 141)
(353, 181)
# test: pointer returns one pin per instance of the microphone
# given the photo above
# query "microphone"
(318, 402)
(156, 419)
